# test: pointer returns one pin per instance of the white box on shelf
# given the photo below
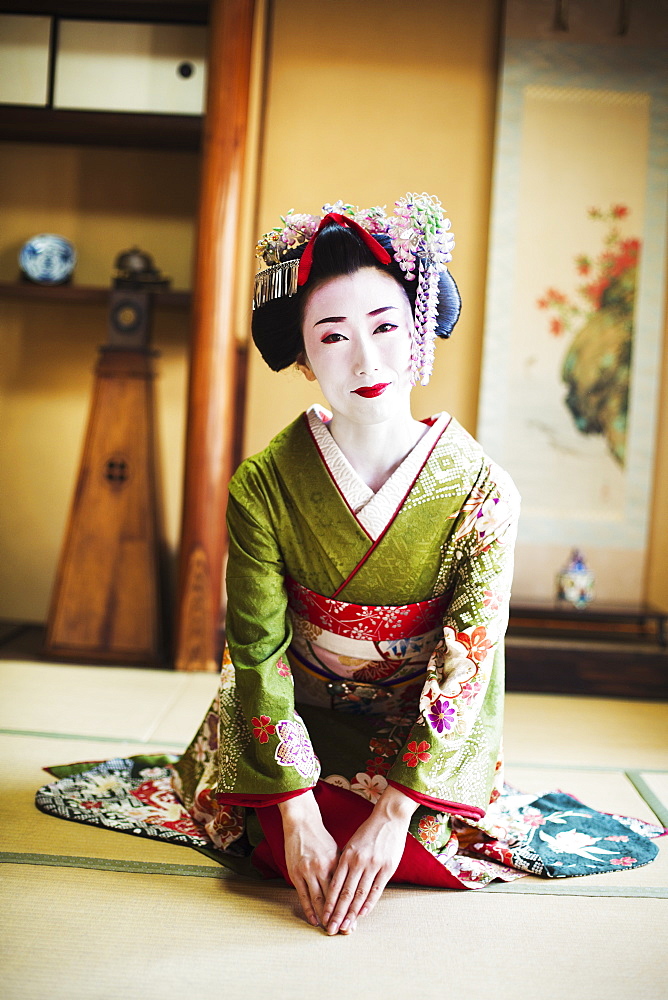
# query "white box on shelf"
(119, 66)
(24, 59)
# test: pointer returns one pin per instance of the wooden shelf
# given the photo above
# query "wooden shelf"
(174, 11)
(602, 650)
(101, 128)
(83, 294)
(595, 668)
(640, 622)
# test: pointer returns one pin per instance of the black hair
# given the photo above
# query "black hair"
(277, 325)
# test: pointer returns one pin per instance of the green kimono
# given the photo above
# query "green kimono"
(365, 643)
(421, 711)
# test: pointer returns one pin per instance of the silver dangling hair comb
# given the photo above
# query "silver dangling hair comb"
(275, 281)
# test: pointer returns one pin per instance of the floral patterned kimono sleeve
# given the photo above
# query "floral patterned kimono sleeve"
(451, 757)
(266, 754)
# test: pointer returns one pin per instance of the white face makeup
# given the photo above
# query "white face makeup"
(357, 335)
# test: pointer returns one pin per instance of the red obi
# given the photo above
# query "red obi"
(362, 652)
(365, 621)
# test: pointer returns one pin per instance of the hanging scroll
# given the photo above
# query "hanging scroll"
(576, 284)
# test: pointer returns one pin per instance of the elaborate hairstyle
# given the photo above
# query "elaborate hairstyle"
(339, 246)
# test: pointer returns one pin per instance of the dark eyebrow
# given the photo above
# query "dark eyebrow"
(330, 319)
(375, 312)
(340, 319)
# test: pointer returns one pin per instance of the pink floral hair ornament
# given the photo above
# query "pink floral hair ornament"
(421, 240)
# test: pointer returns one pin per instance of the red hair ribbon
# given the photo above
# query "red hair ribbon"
(373, 245)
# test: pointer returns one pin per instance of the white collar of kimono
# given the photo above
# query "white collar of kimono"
(374, 511)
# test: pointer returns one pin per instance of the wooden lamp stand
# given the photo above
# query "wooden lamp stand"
(108, 600)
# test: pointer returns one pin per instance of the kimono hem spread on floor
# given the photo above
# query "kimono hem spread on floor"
(364, 648)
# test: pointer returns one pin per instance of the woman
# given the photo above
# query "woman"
(368, 580)
(372, 507)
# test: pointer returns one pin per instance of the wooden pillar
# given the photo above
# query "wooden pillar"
(210, 433)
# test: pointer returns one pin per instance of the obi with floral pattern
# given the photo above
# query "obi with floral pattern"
(357, 657)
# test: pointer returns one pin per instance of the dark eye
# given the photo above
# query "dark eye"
(385, 328)
(332, 338)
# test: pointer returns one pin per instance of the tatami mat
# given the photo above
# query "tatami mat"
(168, 931)
(584, 731)
(182, 718)
(170, 937)
(117, 702)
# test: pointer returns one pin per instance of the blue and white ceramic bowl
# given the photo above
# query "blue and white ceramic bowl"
(47, 259)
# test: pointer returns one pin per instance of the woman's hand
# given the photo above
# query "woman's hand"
(311, 853)
(368, 861)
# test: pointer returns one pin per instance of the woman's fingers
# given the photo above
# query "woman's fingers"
(362, 902)
(312, 891)
(318, 891)
(344, 912)
(336, 885)
(357, 895)
(306, 904)
(374, 894)
(366, 865)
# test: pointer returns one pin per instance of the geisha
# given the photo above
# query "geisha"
(356, 735)
(368, 580)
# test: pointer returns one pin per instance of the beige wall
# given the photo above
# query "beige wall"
(104, 201)
(339, 124)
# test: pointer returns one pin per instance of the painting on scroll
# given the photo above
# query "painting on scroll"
(575, 303)
(597, 324)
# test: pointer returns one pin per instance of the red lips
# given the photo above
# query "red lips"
(369, 391)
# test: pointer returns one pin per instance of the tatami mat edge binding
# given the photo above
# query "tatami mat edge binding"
(92, 738)
(200, 871)
(659, 808)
